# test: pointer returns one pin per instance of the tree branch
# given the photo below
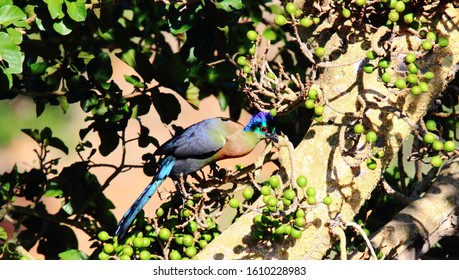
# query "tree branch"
(425, 221)
(349, 187)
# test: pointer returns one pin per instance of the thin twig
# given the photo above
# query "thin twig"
(26, 211)
(364, 236)
(339, 232)
(396, 194)
(107, 182)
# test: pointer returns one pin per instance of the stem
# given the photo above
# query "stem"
(365, 237)
(107, 182)
(339, 232)
(25, 211)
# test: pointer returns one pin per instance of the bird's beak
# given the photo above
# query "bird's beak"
(273, 136)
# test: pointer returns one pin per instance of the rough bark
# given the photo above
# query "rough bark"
(319, 156)
(424, 222)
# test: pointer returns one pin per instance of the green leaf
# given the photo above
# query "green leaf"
(11, 53)
(3, 234)
(166, 105)
(181, 19)
(86, 56)
(34, 134)
(63, 27)
(140, 62)
(6, 2)
(55, 8)
(76, 9)
(79, 89)
(53, 193)
(63, 103)
(38, 68)
(68, 208)
(229, 5)
(101, 109)
(140, 105)
(6, 186)
(40, 104)
(128, 57)
(100, 68)
(73, 254)
(145, 139)
(134, 80)
(16, 35)
(84, 131)
(58, 144)
(222, 100)
(46, 133)
(10, 14)
(170, 70)
(109, 139)
(199, 45)
(6, 81)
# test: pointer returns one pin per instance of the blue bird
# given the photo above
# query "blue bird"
(200, 145)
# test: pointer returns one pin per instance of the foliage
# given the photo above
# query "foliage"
(59, 52)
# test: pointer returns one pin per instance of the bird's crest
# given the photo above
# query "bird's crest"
(262, 122)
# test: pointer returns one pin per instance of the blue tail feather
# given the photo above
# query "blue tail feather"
(163, 171)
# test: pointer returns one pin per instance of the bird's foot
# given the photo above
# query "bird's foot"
(183, 194)
(217, 172)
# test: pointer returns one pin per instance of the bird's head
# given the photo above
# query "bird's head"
(263, 124)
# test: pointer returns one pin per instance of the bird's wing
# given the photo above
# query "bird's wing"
(200, 140)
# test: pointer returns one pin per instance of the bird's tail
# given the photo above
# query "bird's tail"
(163, 171)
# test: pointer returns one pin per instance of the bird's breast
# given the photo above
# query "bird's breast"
(238, 144)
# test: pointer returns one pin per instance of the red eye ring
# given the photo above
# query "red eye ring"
(264, 129)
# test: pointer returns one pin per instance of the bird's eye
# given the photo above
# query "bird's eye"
(264, 129)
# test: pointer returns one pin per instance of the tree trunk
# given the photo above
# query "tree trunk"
(320, 157)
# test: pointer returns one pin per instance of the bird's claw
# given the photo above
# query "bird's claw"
(217, 172)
